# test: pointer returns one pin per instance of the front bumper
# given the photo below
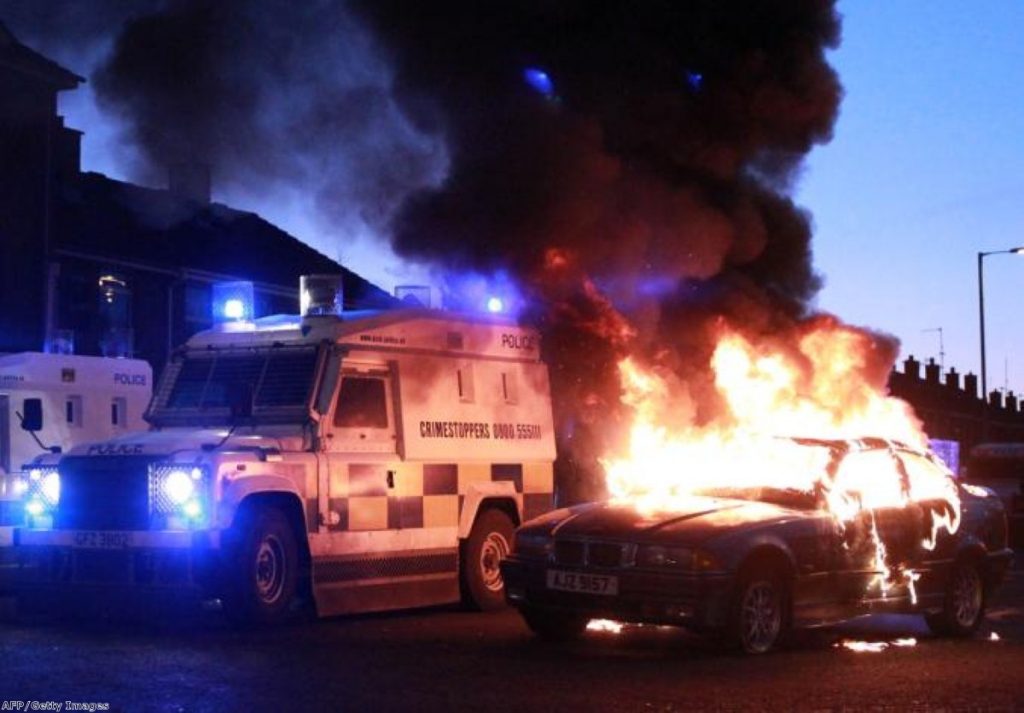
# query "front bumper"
(32, 560)
(697, 600)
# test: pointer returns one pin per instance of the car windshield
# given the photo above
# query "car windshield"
(787, 497)
(200, 385)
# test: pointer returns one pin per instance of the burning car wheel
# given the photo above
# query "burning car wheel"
(262, 567)
(964, 605)
(553, 625)
(759, 612)
(489, 542)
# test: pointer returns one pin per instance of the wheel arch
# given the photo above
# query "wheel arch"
(769, 554)
(501, 496)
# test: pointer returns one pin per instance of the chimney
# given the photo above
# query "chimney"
(953, 379)
(971, 385)
(931, 372)
(912, 367)
(189, 181)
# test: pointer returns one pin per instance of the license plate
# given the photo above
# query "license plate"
(101, 540)
(583, 583)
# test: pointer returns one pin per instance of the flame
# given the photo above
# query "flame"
(874, 647)
(605, 625)
(822, 385)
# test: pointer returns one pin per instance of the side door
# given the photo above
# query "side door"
(361, 449)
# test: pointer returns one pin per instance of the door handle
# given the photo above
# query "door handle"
(391, 479)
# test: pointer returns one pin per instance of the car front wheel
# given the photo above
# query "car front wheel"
(262, 568)
(963, 605)
(759, 617)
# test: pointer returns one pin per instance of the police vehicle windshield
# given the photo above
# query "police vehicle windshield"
(199, 387)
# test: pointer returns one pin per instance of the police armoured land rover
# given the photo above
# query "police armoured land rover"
(358, 460)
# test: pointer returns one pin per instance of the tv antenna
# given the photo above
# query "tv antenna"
(942, 346)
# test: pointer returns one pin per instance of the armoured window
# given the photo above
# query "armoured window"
(464, 381)
(362, 403)
(508, 387)
(119, 412)
(278, 378)
(73, 411)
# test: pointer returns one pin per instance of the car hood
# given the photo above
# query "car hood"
(697, 519)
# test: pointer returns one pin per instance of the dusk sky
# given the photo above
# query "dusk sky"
(922, 172)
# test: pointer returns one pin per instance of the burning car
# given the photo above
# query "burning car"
(752, 561)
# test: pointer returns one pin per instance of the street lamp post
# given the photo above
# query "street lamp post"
(981, 324)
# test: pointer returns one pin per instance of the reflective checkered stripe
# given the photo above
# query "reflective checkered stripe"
(392, 538)
(394, 496)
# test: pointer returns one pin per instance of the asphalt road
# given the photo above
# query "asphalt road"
(452, 660)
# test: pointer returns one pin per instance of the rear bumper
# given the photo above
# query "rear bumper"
(694, 600)
(35, 560)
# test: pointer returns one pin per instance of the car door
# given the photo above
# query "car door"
(877, 534)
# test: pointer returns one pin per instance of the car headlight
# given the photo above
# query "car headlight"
(178, 493)
(659, 556)
(533, 544)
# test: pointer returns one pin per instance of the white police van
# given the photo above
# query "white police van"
(56, 401)
(360, 461)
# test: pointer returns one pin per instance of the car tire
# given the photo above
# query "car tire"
(554, 625)
(963, 604)
(261, 567)
(488, 543)
(759, 615)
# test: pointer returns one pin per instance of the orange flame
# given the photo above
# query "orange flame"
(821, 387)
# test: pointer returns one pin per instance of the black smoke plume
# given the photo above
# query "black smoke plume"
(641, 193)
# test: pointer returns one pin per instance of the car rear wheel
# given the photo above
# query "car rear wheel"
(489, 542)
(963, 605)
(554, 625)
(759, 617)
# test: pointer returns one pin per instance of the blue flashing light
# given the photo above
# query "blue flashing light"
(35, 508)
(233, 301)
(234, 309)
(694, 80)
(495, 305)
(540, 81)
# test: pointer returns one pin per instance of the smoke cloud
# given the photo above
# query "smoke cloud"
(630, 163)
(287, 103)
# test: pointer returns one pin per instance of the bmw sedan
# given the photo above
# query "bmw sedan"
(750, 563)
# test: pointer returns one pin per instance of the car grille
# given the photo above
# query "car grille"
(104, 493)
(580, 553)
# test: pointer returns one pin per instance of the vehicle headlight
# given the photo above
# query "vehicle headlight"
(533, 544)
(659, 556)
(178, 492)
(42, 486)
(39, 491)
